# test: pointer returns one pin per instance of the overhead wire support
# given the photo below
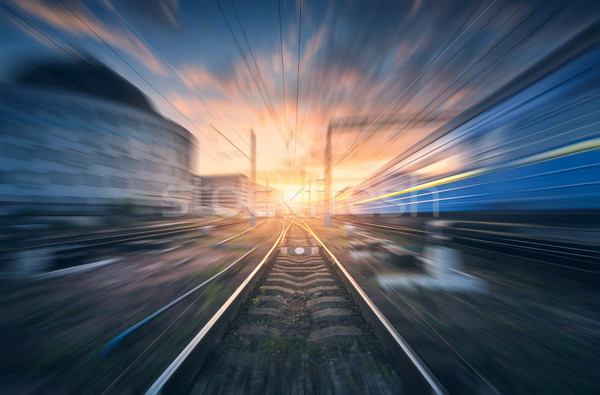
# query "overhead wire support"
(402, 98)
(521, 40)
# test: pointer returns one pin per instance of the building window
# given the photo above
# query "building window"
(91, 180)
(108, 160)
(78, 157)
(118, 182)
(49, 154)
(27, 177)
(61, 178)
(150, 166)
(130, 164)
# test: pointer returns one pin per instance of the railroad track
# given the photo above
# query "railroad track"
(568, 255)
(118, 235)
(71, 249)
(298, 324)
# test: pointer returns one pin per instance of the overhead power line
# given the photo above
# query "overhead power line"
(282, 69)
(133, 29)
(135, 71)
(259, 84)
(298, 77)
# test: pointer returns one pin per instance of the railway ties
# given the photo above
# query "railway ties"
(298, 332)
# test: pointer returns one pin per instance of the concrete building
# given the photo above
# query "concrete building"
(231, 194)
(223, 194)
(76, 138)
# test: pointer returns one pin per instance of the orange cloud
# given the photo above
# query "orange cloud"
(60, 17)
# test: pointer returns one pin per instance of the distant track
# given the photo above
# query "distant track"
(568, 254)
(111, 237)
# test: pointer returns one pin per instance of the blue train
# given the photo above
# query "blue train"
(532, 146)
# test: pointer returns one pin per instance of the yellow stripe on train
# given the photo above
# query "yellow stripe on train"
(568, 150)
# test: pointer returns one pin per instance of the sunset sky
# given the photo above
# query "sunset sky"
(214, 63)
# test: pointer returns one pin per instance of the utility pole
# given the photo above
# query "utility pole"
(252, 177)
(327, 216)
(310, 212)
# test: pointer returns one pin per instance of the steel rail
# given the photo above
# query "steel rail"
(118, 237)
(174, 373)
(423, 380)
(220, 243)
(115, 341)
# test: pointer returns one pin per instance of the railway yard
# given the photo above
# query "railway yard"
(290, 306)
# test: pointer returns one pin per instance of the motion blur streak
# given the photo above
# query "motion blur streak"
(447, 153)
(574, 149)
(544, 158)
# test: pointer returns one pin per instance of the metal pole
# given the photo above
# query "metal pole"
(327, 216)
(310, 210)
(252, 177)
